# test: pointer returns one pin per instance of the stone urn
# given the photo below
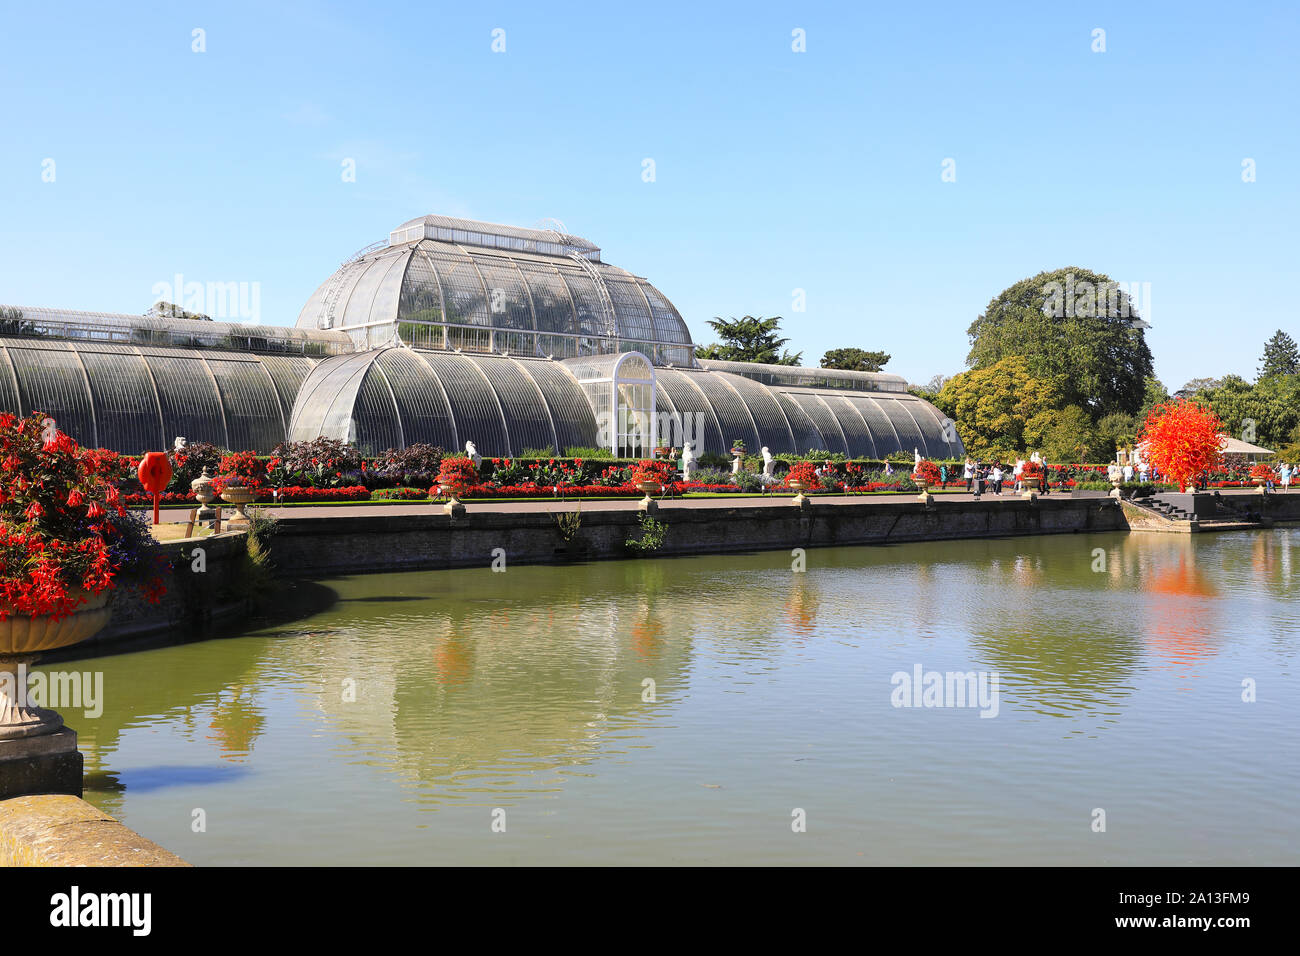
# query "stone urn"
(453, 506)
(22, 639)
(1031, 486)
(240, 497)
(799, 487)
(204, 495)
(651, 488)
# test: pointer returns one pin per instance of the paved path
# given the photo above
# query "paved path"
(623, 504)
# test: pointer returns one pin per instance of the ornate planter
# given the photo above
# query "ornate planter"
(738, 452)
(453, 506)
(204, 495)
(1031, 486)
(799, 487)
(650, 488)
(239, 497)
(22, 638)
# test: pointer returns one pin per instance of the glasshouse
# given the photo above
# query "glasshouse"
(451, 331)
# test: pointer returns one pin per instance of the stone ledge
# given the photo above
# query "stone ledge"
(60, 830)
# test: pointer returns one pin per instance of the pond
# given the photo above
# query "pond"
(730, 709)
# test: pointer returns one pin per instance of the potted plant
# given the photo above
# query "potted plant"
(738, 448)
(67, 543)
(926, 474)
(455, 476)
(1261, 474)
(1031, 477)
(801, 476)
(239, 482)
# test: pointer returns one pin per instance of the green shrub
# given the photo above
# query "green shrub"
(547, 452)
(652, 537)
(589, 454)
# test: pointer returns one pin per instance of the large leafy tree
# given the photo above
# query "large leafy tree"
(992, 406)
(1281, 357)
(1072, 326)
(1266, 413)
(749, 339)
(855, 360)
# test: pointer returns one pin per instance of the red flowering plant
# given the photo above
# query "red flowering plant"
(64, 532)
(1183, 439)
(240, 469)
(1261, 472)
(804, 472)
(652, 471)
(460, 474)
(926, 473)
(188, 463)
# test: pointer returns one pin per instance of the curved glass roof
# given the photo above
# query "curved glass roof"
(125, 329)
(452, 284)
(389, 398)
(386, 398)
(134, 399)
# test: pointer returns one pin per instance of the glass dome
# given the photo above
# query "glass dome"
(453, 284)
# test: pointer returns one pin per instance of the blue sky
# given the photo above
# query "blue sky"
(774, 170)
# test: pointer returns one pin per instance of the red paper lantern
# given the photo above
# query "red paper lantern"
(154, 473)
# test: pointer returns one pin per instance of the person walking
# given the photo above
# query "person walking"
(1284, 472)
(968, 472)
(1042, 462)
(977, 479)
(1128, 473)
(1019, 470)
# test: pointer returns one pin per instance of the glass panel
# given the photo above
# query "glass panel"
(425, 415)
(821, 416)
(525, 410)
(126, 411)
(473, 404)
(50, 380)
(851, 423)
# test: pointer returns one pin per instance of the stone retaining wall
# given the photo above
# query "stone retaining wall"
(318, 546)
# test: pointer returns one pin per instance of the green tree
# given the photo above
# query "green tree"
(748, 339)
(1196, 386)
(12, 322)
(1066, 435)
(1266, 413)
(1072, 326)
(1281, 357)
(855, 360)
(993, 405)
(1114, 431)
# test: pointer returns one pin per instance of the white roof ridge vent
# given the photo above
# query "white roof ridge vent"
(490, 235)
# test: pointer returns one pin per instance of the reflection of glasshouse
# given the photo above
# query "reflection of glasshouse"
(452, 331)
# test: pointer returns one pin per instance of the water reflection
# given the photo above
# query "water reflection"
(470, 688)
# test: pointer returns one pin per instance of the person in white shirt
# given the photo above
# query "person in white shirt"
(995, 478)
(1128, 472)
(1143, 470)
(1020, 467)
(968, 472)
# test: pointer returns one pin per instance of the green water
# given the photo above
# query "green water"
(518, 697)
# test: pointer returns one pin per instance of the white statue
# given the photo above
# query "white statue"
(688, 460)
(769, 468)
(1036, 458)
(473, 454)
(179, 444)
(916, 460)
